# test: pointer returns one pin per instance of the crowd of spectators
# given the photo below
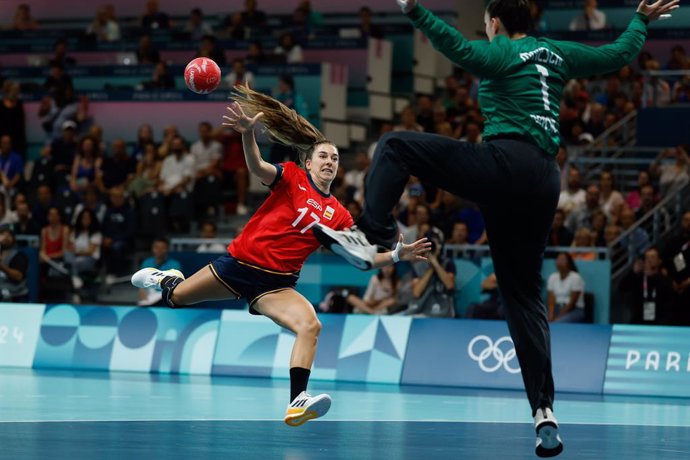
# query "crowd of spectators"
(89, 201)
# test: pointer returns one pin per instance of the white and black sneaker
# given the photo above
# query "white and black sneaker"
(306, 407)
(351, 244)
(152, 277)
(549, 443)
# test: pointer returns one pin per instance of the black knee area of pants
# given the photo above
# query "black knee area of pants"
(168, 285)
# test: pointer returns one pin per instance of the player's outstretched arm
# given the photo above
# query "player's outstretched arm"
(583, 60)
(476, 56)
(409, 252)
(237, 120)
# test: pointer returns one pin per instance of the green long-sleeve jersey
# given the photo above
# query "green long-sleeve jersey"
(522, 80)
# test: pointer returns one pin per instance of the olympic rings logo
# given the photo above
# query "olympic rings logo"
(493, 352)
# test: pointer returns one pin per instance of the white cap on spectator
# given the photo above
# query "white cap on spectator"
(69, 124)
(586, 137)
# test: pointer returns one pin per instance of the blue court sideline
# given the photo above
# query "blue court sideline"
(98, 415)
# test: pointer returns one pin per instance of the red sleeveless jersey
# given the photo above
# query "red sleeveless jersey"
(279, 236)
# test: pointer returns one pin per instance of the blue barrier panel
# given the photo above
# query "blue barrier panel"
(20, 324)
(127, 339)
(351, 348)
(649, 360)
(481, 354)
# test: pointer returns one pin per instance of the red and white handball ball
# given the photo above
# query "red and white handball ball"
(202, 75)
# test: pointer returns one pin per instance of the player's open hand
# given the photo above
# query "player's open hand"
(237, 119)
(659, 9)
(415, 251)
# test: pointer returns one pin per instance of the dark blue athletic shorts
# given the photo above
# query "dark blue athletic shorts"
(248, 281)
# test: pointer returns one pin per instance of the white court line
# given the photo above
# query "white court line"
(277, 420)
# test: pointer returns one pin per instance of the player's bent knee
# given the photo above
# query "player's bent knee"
(311, 327)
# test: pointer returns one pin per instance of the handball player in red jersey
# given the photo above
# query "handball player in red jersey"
(263, 263)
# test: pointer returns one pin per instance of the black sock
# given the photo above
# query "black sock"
(299, 377)
(169, 284)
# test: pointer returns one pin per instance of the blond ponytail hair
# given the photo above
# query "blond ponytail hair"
(284, 125)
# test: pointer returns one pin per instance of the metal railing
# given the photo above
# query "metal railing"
(657, 224)
(624, 163)
(191, 244)
(473, 251)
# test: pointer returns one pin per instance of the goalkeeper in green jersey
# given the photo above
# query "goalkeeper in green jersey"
(512, 175)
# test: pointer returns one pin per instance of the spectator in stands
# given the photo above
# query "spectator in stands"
(672, 175)
(254, 18)
(582, 215)
(590, 19)
(433, 287)
(473, 133)
(440, 117)
(12, 118)
(408, 121)
(86, 166)
(599, 223)
(300, 27)
(632, 199)
(177, 171)
(96, 133)
(146, 52)
(355, 210)
(354, 178)
(584, 238)
(103, 27)
(610, 200)
(234, 167)
(55, 237)
(207, 154)
(23, 19)
(425, 112)
(681, 89)
(679, 59)
(423, 222)
(153, 18)
(314, 18)
(63, 150)
(594, 125)
(380, 294)
(161, 78)
(638, 240)
(26, 224)
(560, 234)
(84, 253)
(144, 137)
(239, 75)
(490, 308)
(209, 231)
(117, 170)
(196, 26)
(60, 57)
(235, 29)
(161, 261)
(677, 255)
(647, 204)
(7, 216)
(413, 195)
(650, 299)
(657, 92)
(366, 28)
(44, 201)
(11, 166)
(170, 132)
(288, 47)
(384, 128)
(119, 228)
(611, 234)
(288, 95)
(91, 201)
(566, 292)
(14, 266)
(57, 80)
(561, 159)
(537, 12)
(209, 48)
(147, 174)
(255, 54)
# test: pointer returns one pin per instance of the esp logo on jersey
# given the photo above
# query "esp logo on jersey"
(328, 213)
